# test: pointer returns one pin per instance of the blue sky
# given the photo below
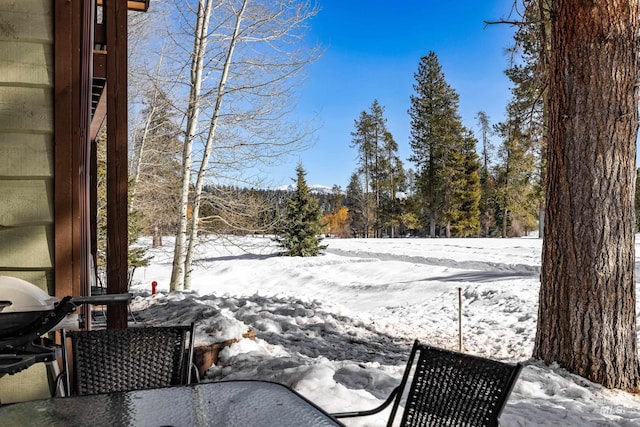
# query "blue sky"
(373, 48)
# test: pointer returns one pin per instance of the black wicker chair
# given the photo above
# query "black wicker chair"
(134, 358)
(449, 389)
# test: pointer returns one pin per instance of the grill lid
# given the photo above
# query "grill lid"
(17, 295)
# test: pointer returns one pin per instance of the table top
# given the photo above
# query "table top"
(225, 404)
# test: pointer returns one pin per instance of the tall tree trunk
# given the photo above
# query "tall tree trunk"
(157, 237)
(587, 315)
(199, 49)
(432, 196)
(204, 164)
(505, 217)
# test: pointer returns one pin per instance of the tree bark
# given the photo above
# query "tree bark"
(587, 315)
(193, 112)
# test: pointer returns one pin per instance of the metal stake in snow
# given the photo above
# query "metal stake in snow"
(460, 319)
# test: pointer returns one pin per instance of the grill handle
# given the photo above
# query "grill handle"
(102, 299)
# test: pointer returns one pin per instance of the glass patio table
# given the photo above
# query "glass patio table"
(225, 403)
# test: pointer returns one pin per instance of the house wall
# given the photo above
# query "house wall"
(26, 140)
(26, 162)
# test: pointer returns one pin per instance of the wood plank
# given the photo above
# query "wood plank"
(134, 5)
(100, 64)
(67, 274)
(26, 202)
(26, 247)
(26, 109)
(26, 155)
(98, 119)
(83, 149)
(26, 63)
(117, 152)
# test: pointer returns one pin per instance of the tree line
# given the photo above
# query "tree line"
(461, 185)
(452, 191)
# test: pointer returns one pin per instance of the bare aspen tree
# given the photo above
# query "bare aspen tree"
(154, 130)
(208, 146)
(245, 61)
(156, 169)
(154, 101)
(193, 110)
(234, 210)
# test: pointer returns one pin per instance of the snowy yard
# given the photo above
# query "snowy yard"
(338, 328)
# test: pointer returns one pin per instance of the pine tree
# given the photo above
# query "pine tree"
(587, 311)
(379, 165)
(301, 228)
(466, 212)
(357, 203)
(530, 78)
(487, 181)
(392, 180)
(440, 149)
(137, 255)
(515, 187)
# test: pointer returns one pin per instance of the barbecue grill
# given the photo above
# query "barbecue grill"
(27, 313)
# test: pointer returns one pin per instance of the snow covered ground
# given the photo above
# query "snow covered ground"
(338, 328)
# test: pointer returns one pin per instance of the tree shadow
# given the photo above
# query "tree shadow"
(484, 276)
(305, 330)
(246, 256)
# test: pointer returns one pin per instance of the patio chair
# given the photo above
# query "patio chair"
(134, 358)
(448, 389)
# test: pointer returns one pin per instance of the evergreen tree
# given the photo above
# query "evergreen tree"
(392, 181)
(487, 181)
(411, 206)
(301, 227)
(530, 79)
(515, 187)
(465, 211)
(433, 107)
(440, 149)
(137, 255)
(587, 311)
(379, 165)
(357, 203)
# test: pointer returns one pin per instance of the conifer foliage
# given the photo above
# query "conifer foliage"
(301, 227)
(444, 152)
(381, 170)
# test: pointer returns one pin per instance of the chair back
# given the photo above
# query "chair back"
(128, 359)
(454, 389)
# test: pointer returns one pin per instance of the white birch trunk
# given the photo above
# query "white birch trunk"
(208, 148)
(199, 48)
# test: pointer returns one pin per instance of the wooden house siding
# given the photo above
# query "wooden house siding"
(26, 20)
(26, 140)
(26, 155)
